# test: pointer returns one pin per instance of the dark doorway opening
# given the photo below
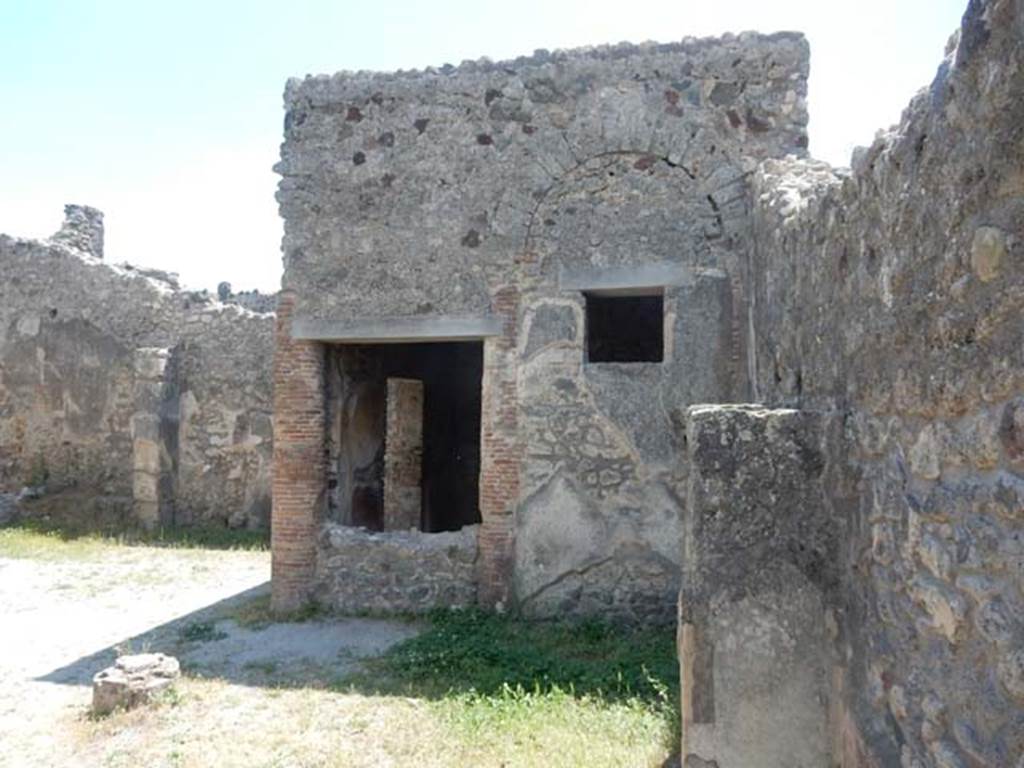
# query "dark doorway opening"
(451, 374)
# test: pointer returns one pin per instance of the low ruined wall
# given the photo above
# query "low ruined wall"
(120, 388)
(395, 572)
(890, 298)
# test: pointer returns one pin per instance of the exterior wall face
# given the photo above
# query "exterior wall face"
(499, 190)
(891, 298)
(83, 409)
(604, 472)
(393, 184)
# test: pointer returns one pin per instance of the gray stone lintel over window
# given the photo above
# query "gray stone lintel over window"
(395, 330)
(635, 279)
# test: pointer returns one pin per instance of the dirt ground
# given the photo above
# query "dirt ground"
(63, 619)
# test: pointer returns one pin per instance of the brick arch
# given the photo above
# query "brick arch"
(692, 174)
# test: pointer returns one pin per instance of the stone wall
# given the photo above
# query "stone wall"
(403, 454)
(494, 195)
(890, 298)
(759, 554)
(115, 384)
(254, 301)
(395, 572)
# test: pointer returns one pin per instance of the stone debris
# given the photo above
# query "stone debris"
(132, 681)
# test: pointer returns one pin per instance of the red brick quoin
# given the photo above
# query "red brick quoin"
(300, 476)
(500, 454)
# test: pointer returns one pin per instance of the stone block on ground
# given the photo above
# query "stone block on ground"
(132, 681)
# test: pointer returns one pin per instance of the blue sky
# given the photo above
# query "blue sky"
(168, 116)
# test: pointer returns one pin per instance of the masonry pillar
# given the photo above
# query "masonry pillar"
(151, 462)
(759, 557)
(403, 454)
(500, 455)
(299, 475)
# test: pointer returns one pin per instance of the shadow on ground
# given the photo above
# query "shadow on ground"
(211, 642)
(466, 652)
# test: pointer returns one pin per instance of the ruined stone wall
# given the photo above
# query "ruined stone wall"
(254, 301)
(503, 192)
(115, 381)
(891, 299)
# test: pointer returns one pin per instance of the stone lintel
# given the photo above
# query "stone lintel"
(395, 330)
(634, 279)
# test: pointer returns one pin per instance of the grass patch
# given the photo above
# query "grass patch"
(38, 538)
(267, 668)
(505, 681)
(315, 726)
(203, 537)
(251, 614)
(201, 632)
(470, 651)
(557, 727)
(24, 543)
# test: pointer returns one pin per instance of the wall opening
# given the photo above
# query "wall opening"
(625, 327)
(427, 397)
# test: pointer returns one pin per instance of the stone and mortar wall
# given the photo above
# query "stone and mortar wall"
(485, 191)
(403, 454)
(83, 410)
(759, 555)
(891, 297)
(396, 572)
